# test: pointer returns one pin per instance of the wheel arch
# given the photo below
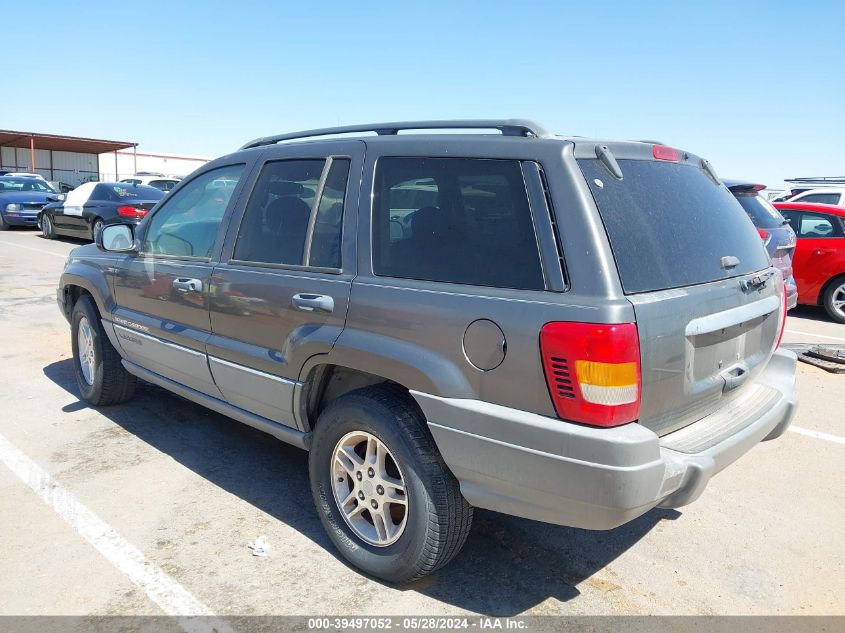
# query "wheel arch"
(360, 359)
(828, 284)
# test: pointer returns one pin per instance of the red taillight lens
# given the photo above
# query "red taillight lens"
(661, 152)
(593, 371)
(779, 281)
(765, 236)
(131, 212)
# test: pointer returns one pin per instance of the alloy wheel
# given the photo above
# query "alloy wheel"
(85, 350)
(369, 489)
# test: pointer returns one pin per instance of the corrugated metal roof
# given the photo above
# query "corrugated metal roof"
(59, 143)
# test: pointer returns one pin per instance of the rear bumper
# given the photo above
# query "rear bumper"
(541, 468)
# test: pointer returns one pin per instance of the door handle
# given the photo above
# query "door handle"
(313, 303)
(184, 284)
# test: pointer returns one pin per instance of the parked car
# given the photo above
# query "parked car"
(821, 195)
(778, 237)
(159, 181)
(61, 187)
(90, 206)
(21, 200)
(819, 259)
(25, 174)
(569, 330)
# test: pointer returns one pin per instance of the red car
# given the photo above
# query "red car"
(818, 263)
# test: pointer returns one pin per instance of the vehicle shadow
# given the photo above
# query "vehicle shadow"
(508, 565)
(813, 313)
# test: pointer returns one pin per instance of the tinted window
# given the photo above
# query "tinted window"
(132, 181)
(815, 225)
(670, 225)
(761, 212)
(325, 244)
(125, 192)
(164, 185)
(187, 223)
(278, 218)
(454, 220)
(820, 198)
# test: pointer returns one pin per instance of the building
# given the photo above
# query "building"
(74, 160)
(132, 161)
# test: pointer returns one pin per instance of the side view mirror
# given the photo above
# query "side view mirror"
(116, 238)
(59, 197)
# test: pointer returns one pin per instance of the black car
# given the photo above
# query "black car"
(778, 237)
(94, 204)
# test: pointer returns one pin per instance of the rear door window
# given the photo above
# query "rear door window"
(821, 198)
(670, 225)
(454, 220)
(816, 225)
(283, 225)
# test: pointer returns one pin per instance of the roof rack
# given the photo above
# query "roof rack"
(819, 180)
(508, 127)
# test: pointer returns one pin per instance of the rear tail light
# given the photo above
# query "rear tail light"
(593, 371)
(765, 236)
(661, 152)
(131, 212)
(780, 284)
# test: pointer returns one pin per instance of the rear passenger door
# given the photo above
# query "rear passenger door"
(161, 317)
(458, 270)
(818, 251)
(281, 292)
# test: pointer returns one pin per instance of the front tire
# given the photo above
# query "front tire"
(834, 299)
(47, 230)
(384, 495)
(4, 226)
(100, 375)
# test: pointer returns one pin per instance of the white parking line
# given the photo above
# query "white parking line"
(168, 594)
(818, 434)
(832, 338)
(30, 248)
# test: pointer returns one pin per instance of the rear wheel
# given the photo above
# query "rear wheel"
(383, 492)
(834, 299)
(96, 229)
(47, 230)
(100, 375)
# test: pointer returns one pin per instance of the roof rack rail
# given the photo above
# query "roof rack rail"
(508, 127)
(820, 180)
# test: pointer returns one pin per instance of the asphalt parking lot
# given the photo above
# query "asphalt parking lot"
(148, 507)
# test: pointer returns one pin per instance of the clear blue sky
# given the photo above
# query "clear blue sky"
(756, 87)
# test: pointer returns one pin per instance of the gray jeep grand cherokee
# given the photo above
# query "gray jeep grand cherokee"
(564, 329)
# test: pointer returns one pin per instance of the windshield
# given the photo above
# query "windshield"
(37, 185)
(761, 212)
(670, 225)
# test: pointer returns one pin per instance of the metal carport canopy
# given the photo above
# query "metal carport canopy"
(60, 143)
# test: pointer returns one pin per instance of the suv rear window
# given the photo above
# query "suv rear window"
(670, 225)
(761, 212)
(454, 220)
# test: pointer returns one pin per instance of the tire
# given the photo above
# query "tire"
(834, 299)
(48, 231)
(104, 381)
(432, 525)
(96, 228)
(4, 226)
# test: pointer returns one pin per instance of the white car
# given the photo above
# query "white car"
(821, 195)
(159, 181)
(25, 174)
